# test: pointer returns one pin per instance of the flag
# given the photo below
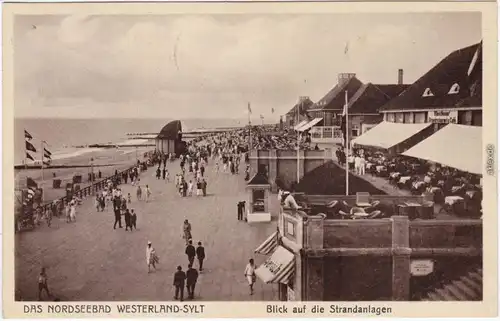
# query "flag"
(27, 135)
(249, 109)
(28, 156)
(47, 153)
(346, 49)
(31, 183)
(30, 147)
(272, 110)
(343, 124)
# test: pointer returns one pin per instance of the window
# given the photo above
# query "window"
(354, 132)
(391, 117)
(454, 89)
(427, 93)
(400, 118)
(408, 118)
(420, 118)
(327, 132)
(258, 200)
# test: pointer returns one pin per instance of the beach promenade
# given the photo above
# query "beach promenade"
(90, 261)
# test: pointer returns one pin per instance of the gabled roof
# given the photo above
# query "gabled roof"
(307, 103)
(329, 179)
(171, 130)
(454, 69)
(259, 179)
(335, 98)
(369, 98)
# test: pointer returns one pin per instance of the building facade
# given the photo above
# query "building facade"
(311, 258)
(451, 92)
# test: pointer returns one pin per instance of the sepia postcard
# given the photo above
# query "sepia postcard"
(291, 159)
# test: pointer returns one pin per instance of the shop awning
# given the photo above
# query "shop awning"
(457, 146)
(386, 134)
(310, 124)
(278, 268)
(269, 245)
(302, 123)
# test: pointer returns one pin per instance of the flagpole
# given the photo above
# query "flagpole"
(41, 182)
(346, 146)
(25, 152)
(249, 129)
(299, 108)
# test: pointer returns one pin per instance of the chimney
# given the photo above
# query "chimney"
(303, 98)
(400, 76)
(344, 77)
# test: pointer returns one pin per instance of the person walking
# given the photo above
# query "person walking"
(241, 209)
(133, 219)
(164, 173)
(190, 188)
(200, 254)
(158, 173)
(151, 257)
(179, 280)
(191, 279)
(148, 193)
(43, 284)
(72, 213)
(250, 274)
(118, 218)
(128, 220)
(204, 187)
(186, 231)
(139, 193)
(190, 252)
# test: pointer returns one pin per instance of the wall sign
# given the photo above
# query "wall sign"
(421, 267)
(443, 116)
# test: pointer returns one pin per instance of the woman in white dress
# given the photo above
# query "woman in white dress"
(250, 274)
(72, 213)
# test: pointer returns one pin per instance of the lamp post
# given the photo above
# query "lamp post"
(92, 174)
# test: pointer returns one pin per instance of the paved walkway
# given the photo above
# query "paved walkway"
(90, 261)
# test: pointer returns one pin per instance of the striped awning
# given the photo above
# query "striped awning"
(269, 245)
(278, 268)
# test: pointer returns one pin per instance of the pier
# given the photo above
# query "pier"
(89, 261)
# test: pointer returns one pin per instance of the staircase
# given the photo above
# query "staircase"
(467, 288)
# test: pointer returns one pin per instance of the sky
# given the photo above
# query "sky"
(211, 66)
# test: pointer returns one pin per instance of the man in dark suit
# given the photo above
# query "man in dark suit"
(191, 278)
(118, 218)
(179, 280)
(190, 252)
(200, 254)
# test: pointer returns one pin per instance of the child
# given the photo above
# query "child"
(129, 198)
(133, 220)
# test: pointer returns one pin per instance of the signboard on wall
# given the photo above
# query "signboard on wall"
(443, 116)
(421, 267)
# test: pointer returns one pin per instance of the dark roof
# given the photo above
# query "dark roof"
(307, 103)
(171, 130)
(451, 70)
(369, 98)
(259, 179)
(329, 179)
(335, 98)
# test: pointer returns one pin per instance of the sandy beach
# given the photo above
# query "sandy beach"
(104, 160)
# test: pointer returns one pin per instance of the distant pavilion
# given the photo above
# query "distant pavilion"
(169, 140)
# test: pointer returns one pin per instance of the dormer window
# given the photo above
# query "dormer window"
(454, 89)
(427, 93)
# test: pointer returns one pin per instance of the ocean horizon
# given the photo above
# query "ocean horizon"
(64, 134)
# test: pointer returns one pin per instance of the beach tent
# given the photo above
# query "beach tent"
(393, 137)
(457, 146)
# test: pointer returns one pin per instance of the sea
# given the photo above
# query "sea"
(65, 137)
